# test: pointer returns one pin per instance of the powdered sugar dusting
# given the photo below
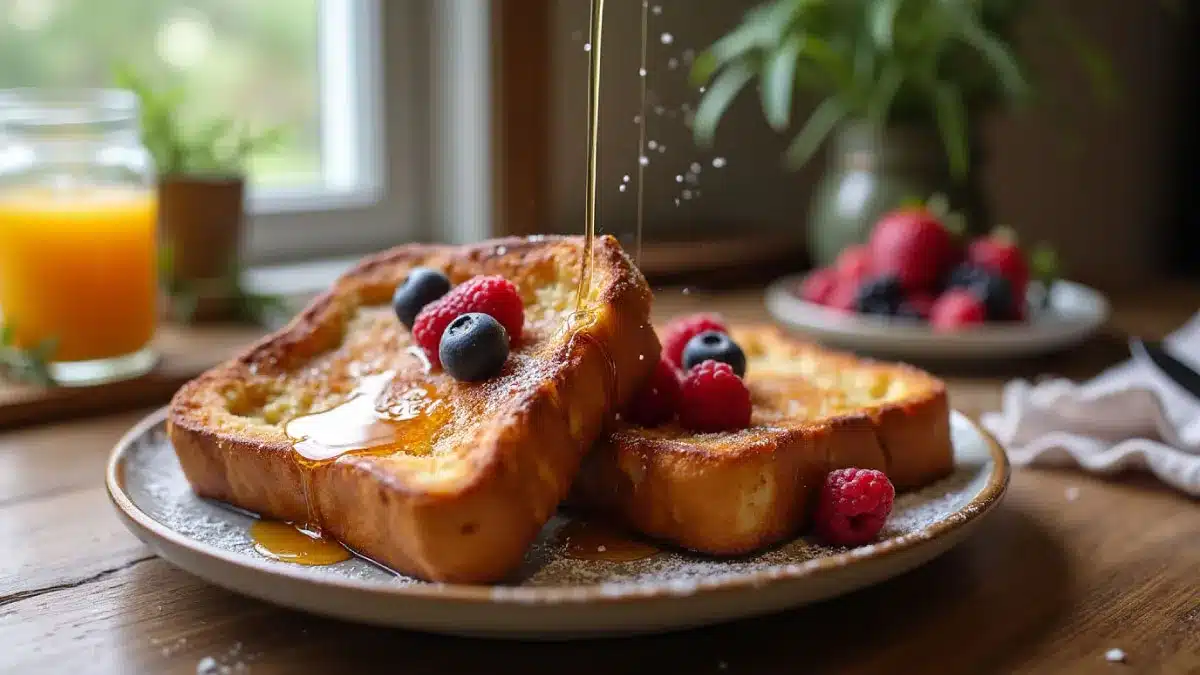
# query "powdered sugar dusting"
(155, 483)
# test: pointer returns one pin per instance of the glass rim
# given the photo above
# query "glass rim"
(56, 97)
(37, 108)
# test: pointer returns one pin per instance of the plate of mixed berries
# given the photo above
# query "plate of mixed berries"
(918, 289)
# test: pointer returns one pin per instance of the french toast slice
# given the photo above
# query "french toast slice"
(433, 477)
(814, 411)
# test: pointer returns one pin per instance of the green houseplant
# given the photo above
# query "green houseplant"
(899, 85)
(201, 166)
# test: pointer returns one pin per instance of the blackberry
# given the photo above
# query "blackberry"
(881, 296)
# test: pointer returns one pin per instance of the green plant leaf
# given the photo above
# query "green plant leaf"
(993, 50)
(951, 116)
(1044, 263)
(6, 334)
(1095, 64)
(717, 100)
(883, 19)
(834, 64)
(820, 124)
(779, 76)
(879, 105)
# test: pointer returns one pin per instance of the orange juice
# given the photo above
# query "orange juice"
(79, 265)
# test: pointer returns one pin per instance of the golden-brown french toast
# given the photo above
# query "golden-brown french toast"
(813, 411)
(337, 420)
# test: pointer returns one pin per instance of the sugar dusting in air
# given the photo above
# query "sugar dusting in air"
(156, 484)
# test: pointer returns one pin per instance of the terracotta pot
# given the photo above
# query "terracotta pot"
(201, 223)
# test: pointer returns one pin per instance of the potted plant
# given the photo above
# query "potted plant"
(201, 167)
(900, 87)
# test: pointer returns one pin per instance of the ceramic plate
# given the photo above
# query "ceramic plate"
(1074, 312)
(555, 596)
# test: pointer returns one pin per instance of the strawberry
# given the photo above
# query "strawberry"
(998, 253)
(957, 308)
(818, 286)
(912, 244)
(853, 264)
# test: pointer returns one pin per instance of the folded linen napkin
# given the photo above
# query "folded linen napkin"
(1129, 416)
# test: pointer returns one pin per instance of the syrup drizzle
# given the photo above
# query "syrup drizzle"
(360, 426)
(295, 544)
(597, 540)
(641, 168)
(593, 130)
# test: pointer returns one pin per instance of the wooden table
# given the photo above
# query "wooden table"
(1068, 568)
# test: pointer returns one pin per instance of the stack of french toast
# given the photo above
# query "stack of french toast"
(501, 389)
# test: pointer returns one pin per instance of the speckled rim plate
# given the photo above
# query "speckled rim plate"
(566, 611)
(1074, 313)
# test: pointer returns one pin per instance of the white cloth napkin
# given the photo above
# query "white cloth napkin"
(1130, 416)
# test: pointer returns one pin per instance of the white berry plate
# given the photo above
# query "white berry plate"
(1072, 313)
(555, 596)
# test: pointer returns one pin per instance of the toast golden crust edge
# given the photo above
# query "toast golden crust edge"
(522, 465)
(763, 492)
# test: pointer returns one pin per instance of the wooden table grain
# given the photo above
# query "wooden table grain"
(1066, 569)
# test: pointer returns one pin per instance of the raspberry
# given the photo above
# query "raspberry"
(658, 400)
(957, 308)
(714, 398)
(853, 506)
(494, 296)
(677, 333)
(844, 298)
(853, 264)
(818, 286)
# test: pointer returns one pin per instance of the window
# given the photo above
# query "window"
(311, 66)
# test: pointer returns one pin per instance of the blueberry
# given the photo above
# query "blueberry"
(716, 346)
(996, 294)
(423, 286)
(474, 347)
(881, 295)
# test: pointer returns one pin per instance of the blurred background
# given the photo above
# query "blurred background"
(458, 119)
(279, 140)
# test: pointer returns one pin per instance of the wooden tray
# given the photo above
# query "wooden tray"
(184, 352)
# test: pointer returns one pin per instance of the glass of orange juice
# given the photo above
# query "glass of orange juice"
(78, 243)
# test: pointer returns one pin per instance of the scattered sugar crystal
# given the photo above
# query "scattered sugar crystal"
(659, 110)
(666, 38)
(672, 63)
(206, 666)
(641, 357)
(677, 201)
(695, 167)
(687, 194)
(587, 46)
(703, 89)
(718, 162)
(625, 178)
(686, 291)
(622, 187)
(637, 119)
(641, 72)
(678, 178)
(662, 149)
(1115, 655)
(601, 548)
(652, 144)
(657, 9)
(644, 160)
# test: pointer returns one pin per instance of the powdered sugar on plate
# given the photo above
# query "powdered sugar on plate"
(155, 483)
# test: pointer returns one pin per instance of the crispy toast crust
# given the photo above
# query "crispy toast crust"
(467, 509)
(737, 492)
